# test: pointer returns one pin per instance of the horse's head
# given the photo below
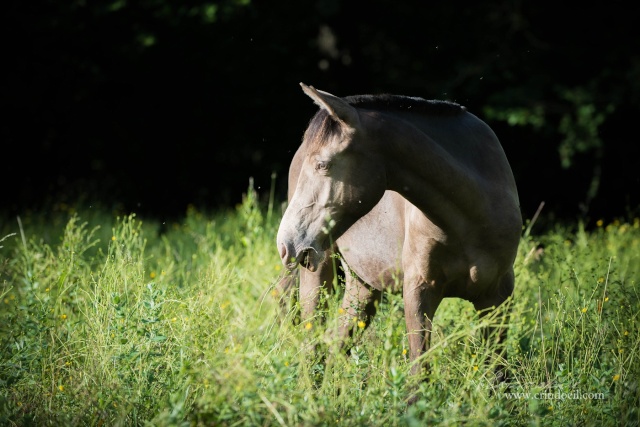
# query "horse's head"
(340, 179)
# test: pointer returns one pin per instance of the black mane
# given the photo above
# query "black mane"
(404, 103)
(322, 125)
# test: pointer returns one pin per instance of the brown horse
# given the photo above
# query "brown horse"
(402, 184)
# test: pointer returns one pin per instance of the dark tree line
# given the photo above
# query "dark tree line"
(151, 105)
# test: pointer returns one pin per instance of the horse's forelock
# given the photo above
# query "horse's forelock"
(321, 128)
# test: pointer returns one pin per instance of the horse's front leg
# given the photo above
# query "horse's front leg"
(422, 292)
(421, 300)
(285, 290)
(311, 284)
(358, 304)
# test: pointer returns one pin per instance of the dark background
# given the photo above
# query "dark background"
(151, 105)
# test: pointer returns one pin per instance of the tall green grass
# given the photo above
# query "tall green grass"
(113, 320)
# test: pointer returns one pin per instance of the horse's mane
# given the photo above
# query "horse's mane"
(402, 103)
(322, 125)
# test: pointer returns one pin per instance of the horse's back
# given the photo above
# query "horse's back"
(471, 143)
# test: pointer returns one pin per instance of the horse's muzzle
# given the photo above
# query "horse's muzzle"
(308, 257)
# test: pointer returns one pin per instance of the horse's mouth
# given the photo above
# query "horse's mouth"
(304, 259)
(307, 256)
(311, 258)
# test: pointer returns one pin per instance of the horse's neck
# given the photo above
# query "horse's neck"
(429, 177)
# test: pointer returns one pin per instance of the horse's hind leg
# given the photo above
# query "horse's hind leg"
(495, 333)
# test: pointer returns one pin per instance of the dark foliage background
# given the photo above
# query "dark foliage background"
(152, 105)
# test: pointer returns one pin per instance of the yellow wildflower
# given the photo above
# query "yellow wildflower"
(152, 274)
(61, 387)
(361, 324)
(308, 326)
(63, 316)
(599, 223)
(584, 309)
(616, 377)
(475, 368)
(113, 238)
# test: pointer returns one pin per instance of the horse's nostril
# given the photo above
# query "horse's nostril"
(283, 251)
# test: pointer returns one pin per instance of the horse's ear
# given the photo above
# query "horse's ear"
(337, 107)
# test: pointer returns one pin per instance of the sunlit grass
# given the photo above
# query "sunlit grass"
(106, 320)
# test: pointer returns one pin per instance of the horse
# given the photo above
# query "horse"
(395, 181)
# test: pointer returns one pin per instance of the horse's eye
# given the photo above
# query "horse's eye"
(322, 165)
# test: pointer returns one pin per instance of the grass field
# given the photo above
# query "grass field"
(111, 320)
